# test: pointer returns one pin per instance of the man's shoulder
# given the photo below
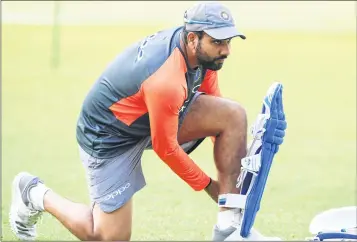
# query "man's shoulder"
(155, 49)
(159, 44)
(138, 62)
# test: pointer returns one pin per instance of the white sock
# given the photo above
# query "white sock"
(36, 196)
(228, 218)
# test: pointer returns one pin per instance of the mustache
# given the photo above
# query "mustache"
(221, 58)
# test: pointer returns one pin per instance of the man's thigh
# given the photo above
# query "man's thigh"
(207, 116)
(113, 181)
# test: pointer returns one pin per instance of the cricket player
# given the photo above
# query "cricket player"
(161, 93)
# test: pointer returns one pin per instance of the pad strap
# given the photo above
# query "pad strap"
(231, 200)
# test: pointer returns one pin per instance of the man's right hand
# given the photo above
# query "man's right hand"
(213, 190)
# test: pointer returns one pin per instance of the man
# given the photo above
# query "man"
(161, 93)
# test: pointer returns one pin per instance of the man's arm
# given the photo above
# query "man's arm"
(163, 100)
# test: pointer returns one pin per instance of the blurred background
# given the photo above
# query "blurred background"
(52, 52)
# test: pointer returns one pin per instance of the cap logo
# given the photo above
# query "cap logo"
(224, 16)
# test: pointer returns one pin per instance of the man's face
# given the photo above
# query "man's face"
(211, 52)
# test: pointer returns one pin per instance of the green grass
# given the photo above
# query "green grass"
(313, 171)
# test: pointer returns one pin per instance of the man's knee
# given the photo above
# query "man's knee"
(113, 226)
(236, 114)
(211, 116)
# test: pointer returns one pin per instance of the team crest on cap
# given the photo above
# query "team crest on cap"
(224, 15)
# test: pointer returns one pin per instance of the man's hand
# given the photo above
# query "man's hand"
(213, 190)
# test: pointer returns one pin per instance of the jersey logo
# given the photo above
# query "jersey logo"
(197, 76)
(195, 88)
(142, 46)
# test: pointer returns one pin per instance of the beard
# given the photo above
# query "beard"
(208, 62)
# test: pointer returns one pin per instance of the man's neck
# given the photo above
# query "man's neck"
(190, 57)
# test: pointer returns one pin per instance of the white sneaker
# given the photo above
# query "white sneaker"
(24, 213)
(222, 234)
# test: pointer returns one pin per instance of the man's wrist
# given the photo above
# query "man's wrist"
(210, 181)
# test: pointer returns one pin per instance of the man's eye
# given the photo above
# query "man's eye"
(218, 42)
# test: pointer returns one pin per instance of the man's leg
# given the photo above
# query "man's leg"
(79, 219)
(88, 224)
(226, 120)
(199, 122)
(111, 190)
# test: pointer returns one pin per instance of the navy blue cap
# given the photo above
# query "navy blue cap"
(213, 18)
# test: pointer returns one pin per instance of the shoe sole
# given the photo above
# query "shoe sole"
(15, 204)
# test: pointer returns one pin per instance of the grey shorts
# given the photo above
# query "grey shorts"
(112, 182)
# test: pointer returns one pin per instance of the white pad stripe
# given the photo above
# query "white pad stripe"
(231, 200)
(257, 129)
(252, 163)
(254, 146)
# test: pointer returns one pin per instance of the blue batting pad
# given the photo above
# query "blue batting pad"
(272, 138)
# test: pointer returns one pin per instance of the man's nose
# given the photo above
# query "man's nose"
(226, 49)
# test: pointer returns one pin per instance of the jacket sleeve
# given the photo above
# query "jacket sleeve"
(163, 100)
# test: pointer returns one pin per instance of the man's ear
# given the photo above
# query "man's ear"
(192, 40)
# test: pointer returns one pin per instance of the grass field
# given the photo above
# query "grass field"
(314, 170)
